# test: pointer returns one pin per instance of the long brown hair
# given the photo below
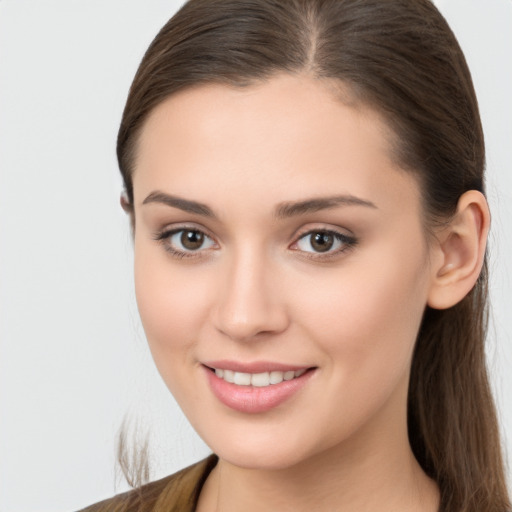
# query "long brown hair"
(401, 58)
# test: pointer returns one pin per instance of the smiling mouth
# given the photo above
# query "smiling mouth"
(259, 380)
(256, 387)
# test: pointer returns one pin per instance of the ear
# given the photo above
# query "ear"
(128, 208)
(459, 254)
(125, 203)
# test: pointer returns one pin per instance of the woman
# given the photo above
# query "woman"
(305, 184)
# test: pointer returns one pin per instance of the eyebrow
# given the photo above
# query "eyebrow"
(291, 209)
(178, 202)
(284, 210)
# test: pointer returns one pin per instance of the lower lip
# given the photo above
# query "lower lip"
(251, 399)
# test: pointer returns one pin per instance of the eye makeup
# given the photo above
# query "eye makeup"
(319, 244)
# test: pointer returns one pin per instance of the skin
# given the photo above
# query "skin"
(258, 290)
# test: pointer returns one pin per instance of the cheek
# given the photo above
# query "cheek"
(170, 310)
(367, 319)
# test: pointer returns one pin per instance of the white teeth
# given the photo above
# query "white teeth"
(276, 377)
(258, 379)
(229, 376)
(242, 379)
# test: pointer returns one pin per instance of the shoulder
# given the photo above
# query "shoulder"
(177, 492)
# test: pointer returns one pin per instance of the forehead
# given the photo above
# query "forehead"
(295, 106)
(288, 136)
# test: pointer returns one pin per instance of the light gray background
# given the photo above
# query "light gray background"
(73, 359)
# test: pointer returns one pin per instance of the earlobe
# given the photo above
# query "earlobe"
(125, 203)
(128, 208)
(460, 252)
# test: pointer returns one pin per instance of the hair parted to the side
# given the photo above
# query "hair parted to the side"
(400, 58)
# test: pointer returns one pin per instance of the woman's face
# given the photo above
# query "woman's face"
(278, 243)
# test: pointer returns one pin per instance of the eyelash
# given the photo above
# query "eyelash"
(348, 242)
(164, 238)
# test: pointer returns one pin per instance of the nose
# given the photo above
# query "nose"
(249, 304)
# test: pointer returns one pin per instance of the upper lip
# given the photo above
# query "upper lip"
(254, 366)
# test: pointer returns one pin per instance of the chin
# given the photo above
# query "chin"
(266, 459)
(265, 449)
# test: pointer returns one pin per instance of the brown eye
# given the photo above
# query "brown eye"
(192, 240)
(322, 242)
(185, 242)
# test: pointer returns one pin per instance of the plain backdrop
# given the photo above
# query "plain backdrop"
(73, 358)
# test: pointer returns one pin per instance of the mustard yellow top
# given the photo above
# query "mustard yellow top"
(175, 493)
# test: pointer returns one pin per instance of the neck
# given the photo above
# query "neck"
(374, 470)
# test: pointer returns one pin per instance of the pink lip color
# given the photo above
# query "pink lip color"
(250, 399)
